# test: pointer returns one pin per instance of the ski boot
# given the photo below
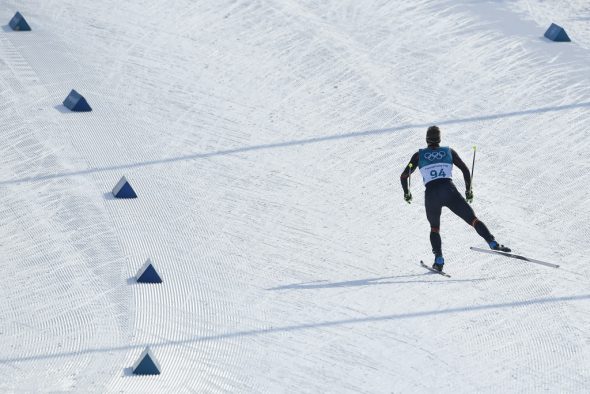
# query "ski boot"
(496, 246)
(439, 262)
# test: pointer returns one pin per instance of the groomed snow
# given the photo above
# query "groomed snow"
(265, 139)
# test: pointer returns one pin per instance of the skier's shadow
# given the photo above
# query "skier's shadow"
(385, 280)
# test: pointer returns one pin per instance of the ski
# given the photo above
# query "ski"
(433, 270)
(515, 256)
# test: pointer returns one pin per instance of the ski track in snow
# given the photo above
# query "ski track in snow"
(265, 140)
(61, 299)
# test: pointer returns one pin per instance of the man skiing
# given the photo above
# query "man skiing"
(436, 166)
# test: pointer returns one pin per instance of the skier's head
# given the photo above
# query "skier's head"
(433, 135)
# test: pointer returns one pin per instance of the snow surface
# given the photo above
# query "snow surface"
(265, 141)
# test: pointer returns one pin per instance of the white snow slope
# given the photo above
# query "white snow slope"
(265, 139)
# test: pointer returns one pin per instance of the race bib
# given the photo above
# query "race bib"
(436, 171)
(435, 163)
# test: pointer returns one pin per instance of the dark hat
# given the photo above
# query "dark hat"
(433, 135)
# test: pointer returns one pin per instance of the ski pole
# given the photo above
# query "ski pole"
(472, 168)
(408, 195)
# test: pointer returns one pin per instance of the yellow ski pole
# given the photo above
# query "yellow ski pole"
(472, 168)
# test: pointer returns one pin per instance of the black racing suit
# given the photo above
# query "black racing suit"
(443, 193)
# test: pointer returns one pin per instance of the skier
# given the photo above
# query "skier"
(436, 166)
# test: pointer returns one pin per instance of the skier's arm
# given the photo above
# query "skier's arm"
(409, 169)
(464, 169)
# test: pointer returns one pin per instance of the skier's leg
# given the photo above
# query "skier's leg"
(435, 241)
(461, 208)
(482, 230)
(433, 211)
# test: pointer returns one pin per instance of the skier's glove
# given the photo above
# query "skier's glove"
(408, 197)
(469, 196)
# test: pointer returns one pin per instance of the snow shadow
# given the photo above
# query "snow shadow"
(301, 142)
(63, 109)
(386, 280)
(7, 28)
(548, 41)
(306, 326)
(109, 196)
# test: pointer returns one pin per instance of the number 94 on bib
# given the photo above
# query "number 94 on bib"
(436, 171)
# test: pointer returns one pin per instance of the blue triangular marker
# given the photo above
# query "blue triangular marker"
(146, 364)
(18, 23)
(123, 189)
(76, 102)
(557, 33)
(148, 274)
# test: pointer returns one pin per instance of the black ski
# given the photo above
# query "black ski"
(433, 270)
(515, 256)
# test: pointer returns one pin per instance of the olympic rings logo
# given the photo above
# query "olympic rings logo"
(435, 155)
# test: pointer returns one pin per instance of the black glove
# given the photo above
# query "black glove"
(408, 197)
(469, 196)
